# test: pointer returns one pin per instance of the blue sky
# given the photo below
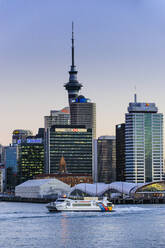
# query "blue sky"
(118, 44)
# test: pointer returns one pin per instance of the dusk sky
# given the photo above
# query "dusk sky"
(119, 44)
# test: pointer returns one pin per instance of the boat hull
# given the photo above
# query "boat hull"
(52, 209)
(73, 210)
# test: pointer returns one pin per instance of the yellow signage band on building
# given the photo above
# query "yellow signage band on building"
(72, 130)
(16, 132)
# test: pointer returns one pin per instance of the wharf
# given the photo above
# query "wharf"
(139, 201)
(23, 199)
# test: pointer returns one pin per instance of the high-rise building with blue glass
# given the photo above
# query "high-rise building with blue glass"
(83, 112)
(143, 143)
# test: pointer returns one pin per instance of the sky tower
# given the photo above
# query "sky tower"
(73, 86)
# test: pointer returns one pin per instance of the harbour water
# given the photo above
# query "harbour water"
(31, 225)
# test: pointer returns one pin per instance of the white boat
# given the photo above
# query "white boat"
(85, 205)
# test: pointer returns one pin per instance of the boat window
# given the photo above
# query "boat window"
(81, 204)
(61, 200)
(109, 204)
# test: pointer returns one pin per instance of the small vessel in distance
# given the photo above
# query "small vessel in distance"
(88, 204)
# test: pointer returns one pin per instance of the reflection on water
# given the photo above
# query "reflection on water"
(31, 225)
(64, 230)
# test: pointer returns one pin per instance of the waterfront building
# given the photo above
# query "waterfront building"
(20, 134)
(2, 179)
(73, 86)
(11, 156)
(106, 159)
(95, 162)
(125, 190)
(66, 177)
(39, 188)
(83, 112)
(143, 143)
(110, 190)
(57, 117)
(120, 152)
(11, 166)
(31, 157)
(2, 154)
(74, 143)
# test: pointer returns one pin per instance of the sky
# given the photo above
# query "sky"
(119, 45)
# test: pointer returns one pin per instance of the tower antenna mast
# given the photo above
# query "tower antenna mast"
(73, 44)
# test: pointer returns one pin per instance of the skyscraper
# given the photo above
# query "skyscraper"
(57, 117)
(2, 153)
(83, 112)
(2, 179)
(143, 142)
(73, 86)
(31, 157)
(120, 152)
(74, 144)
(11, 157)
(11, 166)
(106, 159)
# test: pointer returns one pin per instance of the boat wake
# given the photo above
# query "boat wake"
(122, 210)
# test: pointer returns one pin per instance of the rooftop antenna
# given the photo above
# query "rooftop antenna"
(135, 96)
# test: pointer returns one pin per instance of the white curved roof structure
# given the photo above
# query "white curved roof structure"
(100, 188)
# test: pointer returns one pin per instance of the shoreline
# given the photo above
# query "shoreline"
(27, 200)
(114, 201)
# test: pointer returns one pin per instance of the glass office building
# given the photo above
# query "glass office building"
(30, 159)
(143, 143)
(11, 155)
(83, 112)
(106, 159)
(120, 152)
(74, 143)
(2, 179)
(57, 117)
(11, 166)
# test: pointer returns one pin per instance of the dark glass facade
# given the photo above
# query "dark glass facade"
(148, 147)
(11, 166)
(120, 152)
(30, 160)
(74, 143)
(106, 152)
(84, 113)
